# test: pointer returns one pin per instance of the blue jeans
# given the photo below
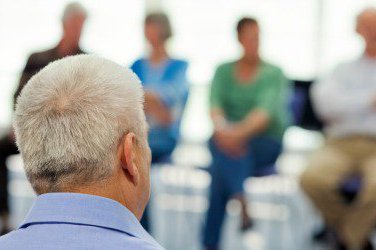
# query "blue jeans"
(161, 143)
(228, 175)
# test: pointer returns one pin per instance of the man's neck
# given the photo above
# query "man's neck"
(66, 48)
(108, 189)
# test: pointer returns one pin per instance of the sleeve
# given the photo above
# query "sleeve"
(275, 95)
(216, 90)
(136, 68)
(333, 100)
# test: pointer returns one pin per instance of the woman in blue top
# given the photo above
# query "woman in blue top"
(166, 89)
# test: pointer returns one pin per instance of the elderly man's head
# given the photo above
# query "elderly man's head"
(366, 26)
(80, 127)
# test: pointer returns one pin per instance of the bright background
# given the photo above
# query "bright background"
(307, 38)
(304, 37)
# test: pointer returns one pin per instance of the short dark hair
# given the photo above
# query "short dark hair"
(245, 21)
(162, 20)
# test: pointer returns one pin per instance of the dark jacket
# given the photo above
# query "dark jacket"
(36, 62)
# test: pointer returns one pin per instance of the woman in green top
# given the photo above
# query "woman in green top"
(249, 111)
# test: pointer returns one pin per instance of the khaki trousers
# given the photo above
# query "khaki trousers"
(328, 168)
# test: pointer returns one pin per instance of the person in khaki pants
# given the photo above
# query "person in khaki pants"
(346, 101)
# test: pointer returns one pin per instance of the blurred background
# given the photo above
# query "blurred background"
(306, 38)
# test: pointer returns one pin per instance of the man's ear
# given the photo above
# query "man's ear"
(129, 158)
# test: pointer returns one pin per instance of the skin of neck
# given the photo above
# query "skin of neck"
(67, 47)
(111, 188)
(158, 53)
(251, 60)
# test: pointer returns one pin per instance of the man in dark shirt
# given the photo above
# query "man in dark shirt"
(73, 20)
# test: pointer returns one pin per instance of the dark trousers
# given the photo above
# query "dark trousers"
(228, 175)
(7, 148)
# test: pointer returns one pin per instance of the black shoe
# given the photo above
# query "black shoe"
(368, 246)
(338, 245)
(335, 242)
(321, 235)
(246, 225)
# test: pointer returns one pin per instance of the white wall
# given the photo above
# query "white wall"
(304, 37)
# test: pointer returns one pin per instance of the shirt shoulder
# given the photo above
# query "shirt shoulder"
(38, 60)
(177, 65)
(137, 68)
(124, 239)
(272, 69)
(10, 240)
(225, 67)
(138, 63)
(272, 75)
(146, 245)
(224, 70)
(180, 62)
(64, 236)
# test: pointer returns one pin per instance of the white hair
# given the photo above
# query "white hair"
(70, 118)
(72, 9)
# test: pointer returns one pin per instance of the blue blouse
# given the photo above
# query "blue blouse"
(169, 81)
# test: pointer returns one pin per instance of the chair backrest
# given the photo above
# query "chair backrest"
(303, 115)
(302, 108)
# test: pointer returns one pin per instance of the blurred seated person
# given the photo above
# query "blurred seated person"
(346, 102)
(166, 89)
(73, 20)
(249, 111)
(82, 134)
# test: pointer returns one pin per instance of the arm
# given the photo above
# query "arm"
(175, 90)
(216, 101)
(218, 117)
(224, 136)
(256, 122)
(268, 104)
(172, 93)
(156, 108)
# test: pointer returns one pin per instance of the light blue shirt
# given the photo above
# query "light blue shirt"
(78, 221)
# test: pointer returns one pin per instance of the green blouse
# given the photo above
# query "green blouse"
(268, 90)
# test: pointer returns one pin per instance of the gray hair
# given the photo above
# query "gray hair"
(72, 9)
(70, 118)
(162, 20)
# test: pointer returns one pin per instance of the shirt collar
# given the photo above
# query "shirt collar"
(87, 210)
